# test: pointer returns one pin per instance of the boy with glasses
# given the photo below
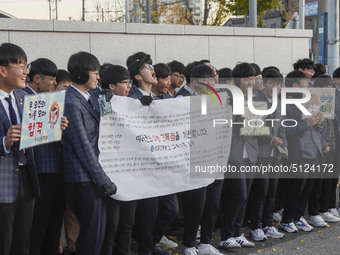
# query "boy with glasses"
(177, 76)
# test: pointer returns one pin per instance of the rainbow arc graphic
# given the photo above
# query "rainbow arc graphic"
(209, 93)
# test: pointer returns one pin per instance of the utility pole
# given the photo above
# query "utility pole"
(148, 11)
(50, 9)
(56, 9)
(127, 11)
(83, 11)
(253, 13)
(333, 35)
(302, 14)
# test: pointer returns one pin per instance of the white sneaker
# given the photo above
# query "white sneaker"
(334, 212)
(190, 251)
(166, 243)
(302, 224)
(244, 242)
(230, 243)
(289, 227)
(207, 249)
(317, 221)
(272, 232)
(257, 235)
(277, 217)
(327, 216)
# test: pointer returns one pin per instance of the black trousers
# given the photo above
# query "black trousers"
(236, 192)
(48, 215)
(16, 218)
(88, 202)
(167, 212)
(298, 194)
(261, 200)
(119, 222)
(146, 214)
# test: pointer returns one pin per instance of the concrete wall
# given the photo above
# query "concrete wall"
(114, 42)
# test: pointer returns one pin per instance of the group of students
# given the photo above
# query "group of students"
(34, 182)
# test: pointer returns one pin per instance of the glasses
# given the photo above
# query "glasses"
(179, 76)
(25, 68)
(147, 66)
(127, 83)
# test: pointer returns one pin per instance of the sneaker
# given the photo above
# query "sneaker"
(334, 212)
(166, 243)
(159, 251)
(272, 232)
(190, 251)
(327, 216)
(289, 227)
(277, 217)
(317, 221)
(302, 224)
(244, 242)
(230, 243)
(257, 235)
(207, 249)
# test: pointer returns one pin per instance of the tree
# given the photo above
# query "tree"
(241, 7)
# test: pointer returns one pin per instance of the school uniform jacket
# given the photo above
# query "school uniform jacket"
(9, 168)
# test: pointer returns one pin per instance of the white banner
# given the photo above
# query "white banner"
(147, 151)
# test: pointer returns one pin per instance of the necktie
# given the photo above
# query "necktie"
(21, 155)
(12, 114)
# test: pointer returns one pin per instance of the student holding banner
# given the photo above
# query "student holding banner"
(85, 179)
(200, 206)
(49, 207)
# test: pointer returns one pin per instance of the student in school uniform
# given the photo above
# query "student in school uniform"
(85, 181)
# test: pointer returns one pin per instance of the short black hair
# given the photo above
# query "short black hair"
(114, 74)
(62, 75)
(225, 73)
(202, 71)
(272, 74)
(336, 73)
(135, 56)
(305, 63)
(242, 70)
(205, 61)
(188, 69)
(83, 60)
(11, 53)
(257, 69)
(162, 70)
(319, 69)
(294, 77)
(264, 70)
(42, 66)
(176, 66)
(323, 81)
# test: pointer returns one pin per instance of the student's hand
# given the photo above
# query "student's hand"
(108, 93)
(313, 120)
(327, 149)
(13, 135)
(146, 100)
(276, 142)
(64, 123)
(110, 188)
(320, 118)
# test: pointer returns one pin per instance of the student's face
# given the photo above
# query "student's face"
(303, 84)
(177, 79)
(309, 72)
(163, 85)
(258, 83)
(247, 82)
(214, 69)
(93, 80)
(14, 76)
(45, 83)
(201, 84)
(147, 74)
(65, 84)
(122, 88)
(269, 85)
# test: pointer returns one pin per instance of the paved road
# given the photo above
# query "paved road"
(320, 241)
